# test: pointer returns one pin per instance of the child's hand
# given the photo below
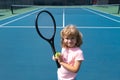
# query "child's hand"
(58, 57)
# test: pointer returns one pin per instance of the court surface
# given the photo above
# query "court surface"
(25, 56)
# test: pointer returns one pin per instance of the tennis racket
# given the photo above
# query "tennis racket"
(45, 20)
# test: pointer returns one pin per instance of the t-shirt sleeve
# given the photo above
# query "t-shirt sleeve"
(79, 55)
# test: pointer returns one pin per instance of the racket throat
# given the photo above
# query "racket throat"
(53, 47)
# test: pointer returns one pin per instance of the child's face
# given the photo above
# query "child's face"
(70, 41)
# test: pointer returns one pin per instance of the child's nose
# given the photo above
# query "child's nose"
(69, 40)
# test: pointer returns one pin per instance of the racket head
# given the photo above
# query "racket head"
(45, 20)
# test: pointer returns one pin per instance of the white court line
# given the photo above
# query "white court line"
(83, 27)
(17, 26)
(63, 18)
(103, 16)
(27, 27)
(19, 18)
(98, 27)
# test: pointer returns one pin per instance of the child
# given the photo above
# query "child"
(71, 55)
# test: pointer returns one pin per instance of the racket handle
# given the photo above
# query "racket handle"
(58, 65)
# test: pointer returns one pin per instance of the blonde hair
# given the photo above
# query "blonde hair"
(71, 31)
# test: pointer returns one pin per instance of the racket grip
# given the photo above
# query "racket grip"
(58, 65)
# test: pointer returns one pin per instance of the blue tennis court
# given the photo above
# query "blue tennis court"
(25, 56)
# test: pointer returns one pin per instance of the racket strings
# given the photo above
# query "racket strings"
(46, 25)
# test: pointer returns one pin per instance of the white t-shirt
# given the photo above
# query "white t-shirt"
(70, 55)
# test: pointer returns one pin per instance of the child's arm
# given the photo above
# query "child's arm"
(74, 68)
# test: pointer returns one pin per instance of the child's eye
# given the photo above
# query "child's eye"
(70, 38)
(67, 38)
(73, 38)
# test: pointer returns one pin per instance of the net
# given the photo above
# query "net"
(108, 8)
(19, 9)
(16, 9)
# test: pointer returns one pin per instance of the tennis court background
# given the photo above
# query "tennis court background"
(25, 56)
